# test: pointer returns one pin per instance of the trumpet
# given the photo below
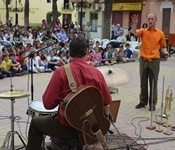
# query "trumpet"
(168, 102)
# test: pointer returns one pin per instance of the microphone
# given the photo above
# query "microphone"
(55, 38)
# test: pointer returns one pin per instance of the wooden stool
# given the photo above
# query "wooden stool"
(67, 144)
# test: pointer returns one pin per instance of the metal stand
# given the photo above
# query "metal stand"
(31, 56)
(9, 139)
(151, 126)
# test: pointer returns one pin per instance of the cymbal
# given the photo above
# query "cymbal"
(13, 94)
(114, 76)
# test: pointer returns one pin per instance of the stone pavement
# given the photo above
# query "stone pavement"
(128, 116)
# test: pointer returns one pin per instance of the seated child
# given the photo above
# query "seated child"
(128, 54)
(23, 61)
(90, 57)
(53, 61)
(6, 66)
(110, 55)
(16, 66)
(120, 54)
(97, 57)
(1, 75)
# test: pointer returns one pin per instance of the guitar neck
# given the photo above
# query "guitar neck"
(97, 131)
(101, 139)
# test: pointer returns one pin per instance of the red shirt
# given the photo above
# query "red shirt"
(84, 74)
(20, 60)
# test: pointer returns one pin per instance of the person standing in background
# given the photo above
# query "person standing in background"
(117, 31)
(87, 30)
(113, 26)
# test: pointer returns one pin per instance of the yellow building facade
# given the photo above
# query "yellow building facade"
(38, 9)
(121, 13)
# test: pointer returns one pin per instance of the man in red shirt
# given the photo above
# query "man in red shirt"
(57, 90)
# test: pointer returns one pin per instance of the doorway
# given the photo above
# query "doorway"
(166, 15)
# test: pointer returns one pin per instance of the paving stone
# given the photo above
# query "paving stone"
(128, 94)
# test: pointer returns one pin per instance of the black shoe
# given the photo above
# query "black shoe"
(140, 105)
(152, 108)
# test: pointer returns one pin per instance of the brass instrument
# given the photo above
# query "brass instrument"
(168, 102)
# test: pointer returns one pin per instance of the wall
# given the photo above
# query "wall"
(156, 7)
(38, 11)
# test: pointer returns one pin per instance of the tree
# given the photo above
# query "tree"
(49, 16)
(7, 3)
(55, 11)
(26, 13)
(107, 18)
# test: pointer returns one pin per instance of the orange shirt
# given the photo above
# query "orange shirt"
(151, 42)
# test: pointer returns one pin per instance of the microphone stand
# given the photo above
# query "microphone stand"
(151, 126)
(31, 57)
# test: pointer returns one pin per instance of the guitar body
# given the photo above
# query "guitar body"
(77, 109)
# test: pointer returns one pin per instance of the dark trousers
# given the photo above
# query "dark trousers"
(47, 125)
(112, 36)
(149, 71)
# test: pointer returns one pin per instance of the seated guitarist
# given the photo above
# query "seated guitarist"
(57, 90)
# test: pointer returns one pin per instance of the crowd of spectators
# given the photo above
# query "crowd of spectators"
(24, 50)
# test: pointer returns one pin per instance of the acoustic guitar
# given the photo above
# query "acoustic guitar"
(83, 110)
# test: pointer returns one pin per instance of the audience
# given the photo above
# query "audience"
(17, 43)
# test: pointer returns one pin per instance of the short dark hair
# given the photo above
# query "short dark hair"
(62, 44)
(78, 47)
(11, 54)
(127, 44)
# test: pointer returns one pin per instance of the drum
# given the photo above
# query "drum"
(36, 108)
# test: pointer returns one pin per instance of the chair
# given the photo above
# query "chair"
(134, 46)
(112, 41)
(95, 40)
(104, 42)
(171, 43)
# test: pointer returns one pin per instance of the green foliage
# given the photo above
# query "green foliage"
(50, 13)
(36, 25)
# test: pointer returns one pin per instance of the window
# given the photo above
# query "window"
(66, 4)
(94, 22)
(48, 1)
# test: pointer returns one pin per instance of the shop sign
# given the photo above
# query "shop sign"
(127, 6)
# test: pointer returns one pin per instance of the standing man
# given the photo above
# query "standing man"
(117, 31)
(152, 42)
(58, 89)
(87, 31)
(113, 26)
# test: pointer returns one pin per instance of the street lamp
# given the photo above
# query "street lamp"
(16, 10)
(81, 4)
(67, 7)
